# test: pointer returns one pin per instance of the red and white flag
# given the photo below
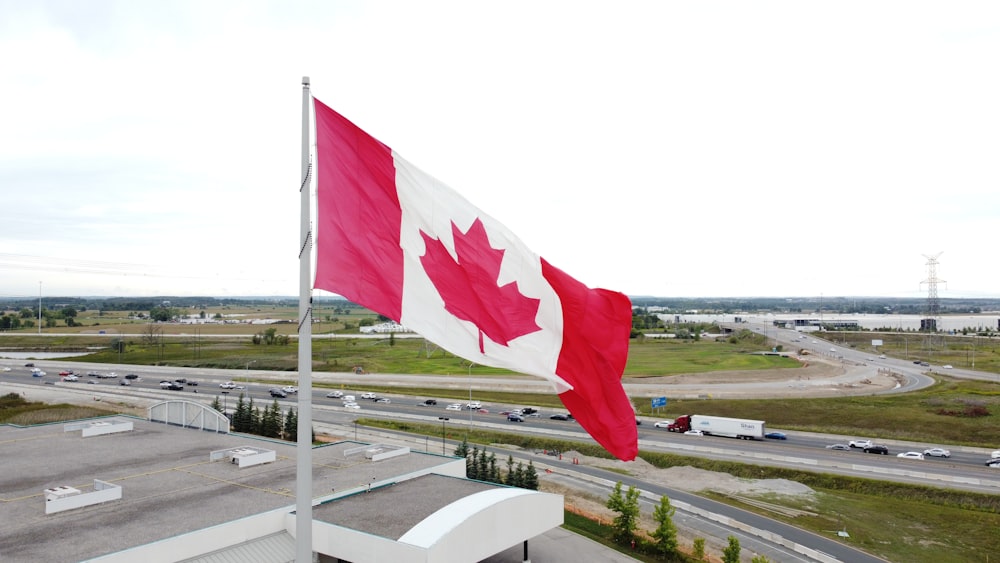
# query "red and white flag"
(399, 242)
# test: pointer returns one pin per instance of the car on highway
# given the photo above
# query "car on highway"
(290, 389)
(71, 377)
(383, 400)
(131, 376)
(191, 383)
(66, 372)
(861, 443)
(125, 382)
(454, 407)
(776, 436)
(172, 386)
(352, 406)
(428, 403)
(514, 418)
(334, 395)
(877, 449)
(228, 385)
(37, 373)
(937, 452)
(993, 462)
(881, 356)
(843, 447)
(995, 454)
(368, 395)
(29, 365)
(278, 393)
(559, 416)
(5, 368)
(695, 433)
(662, 423)
(946, 366)
(911, 455)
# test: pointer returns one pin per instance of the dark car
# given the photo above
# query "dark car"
(559, 417)
(181, 380)
(528, 410)
(429, 402)
(192, 383)
(877, 449)
(514, 418)
(776, 436)
(131, 376)
(175, 387)
(29, 365)
(279, 394)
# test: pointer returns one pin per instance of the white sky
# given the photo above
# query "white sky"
(656, 148)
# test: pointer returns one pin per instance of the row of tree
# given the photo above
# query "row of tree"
(664, 538)
(269, 422)
(483, 467)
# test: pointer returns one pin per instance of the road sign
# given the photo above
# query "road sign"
(659, 402)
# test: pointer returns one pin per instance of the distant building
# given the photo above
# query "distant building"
(384, 328)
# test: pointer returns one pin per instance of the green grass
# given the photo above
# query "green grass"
(15, 410)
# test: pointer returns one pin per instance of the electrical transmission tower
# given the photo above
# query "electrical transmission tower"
(930, 321)
(932, 281)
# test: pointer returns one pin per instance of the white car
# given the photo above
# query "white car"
(455, 407)
(71, 377)
(334, 394)
(662, 423)
(165, 384)
(860, 444)
(368, 395)
(911, 455)
(228, 385)
(352, 406)
(5, 368)
(290, 389)
(995, 454)
(695, 433)
(946, 366)
(937, 452)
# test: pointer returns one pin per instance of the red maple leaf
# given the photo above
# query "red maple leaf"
(469, 286)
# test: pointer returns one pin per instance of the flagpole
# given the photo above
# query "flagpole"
(303, 448)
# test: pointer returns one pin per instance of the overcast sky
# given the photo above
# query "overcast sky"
(655, 148)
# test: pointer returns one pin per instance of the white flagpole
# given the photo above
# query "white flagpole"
(303, 449)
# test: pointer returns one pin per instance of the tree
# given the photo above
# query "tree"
(627, 507)
(760, 559)
(698, 549)
(470, 464)
(732, 552)
(217, 404)
(270, 421)
(292, 426)
(462, 450)
(666, 532)
(530, 477)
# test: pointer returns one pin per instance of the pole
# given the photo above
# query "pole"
(39, 307)
(303, 450)
(443, 419)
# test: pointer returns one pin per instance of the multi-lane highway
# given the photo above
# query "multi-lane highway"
(964, 469)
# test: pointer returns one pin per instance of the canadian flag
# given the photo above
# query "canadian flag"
(397, 241)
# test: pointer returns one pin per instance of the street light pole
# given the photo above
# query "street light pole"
(247, 377)
(443, 420)
(225, 404)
